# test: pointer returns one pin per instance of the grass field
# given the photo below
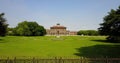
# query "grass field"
(85, 46)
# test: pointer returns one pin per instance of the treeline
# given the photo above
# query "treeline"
(88, 32)
(24, 28)
(27, 29)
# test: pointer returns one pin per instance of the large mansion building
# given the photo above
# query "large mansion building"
(59, 30)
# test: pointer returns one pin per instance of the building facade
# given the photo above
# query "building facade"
(59, 30)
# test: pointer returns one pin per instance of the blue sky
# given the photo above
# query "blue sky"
(74, 14)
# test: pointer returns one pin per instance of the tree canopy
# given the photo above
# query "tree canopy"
(111, 25)
(29, 29)
(3, 25)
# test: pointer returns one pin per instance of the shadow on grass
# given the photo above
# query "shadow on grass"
(1, 41)
(99, 51)
(106, 41)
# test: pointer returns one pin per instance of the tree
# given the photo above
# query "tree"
(29, 29)
(88, 32)
(111, 25)
(3, 25)
(10, 31)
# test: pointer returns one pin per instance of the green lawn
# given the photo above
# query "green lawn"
(85, 46)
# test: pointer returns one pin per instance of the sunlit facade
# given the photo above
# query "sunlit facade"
(59, 30)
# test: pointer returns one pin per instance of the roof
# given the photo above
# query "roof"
(58, 26)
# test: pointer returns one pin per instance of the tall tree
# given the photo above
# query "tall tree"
(3, 25)
(111, 25)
